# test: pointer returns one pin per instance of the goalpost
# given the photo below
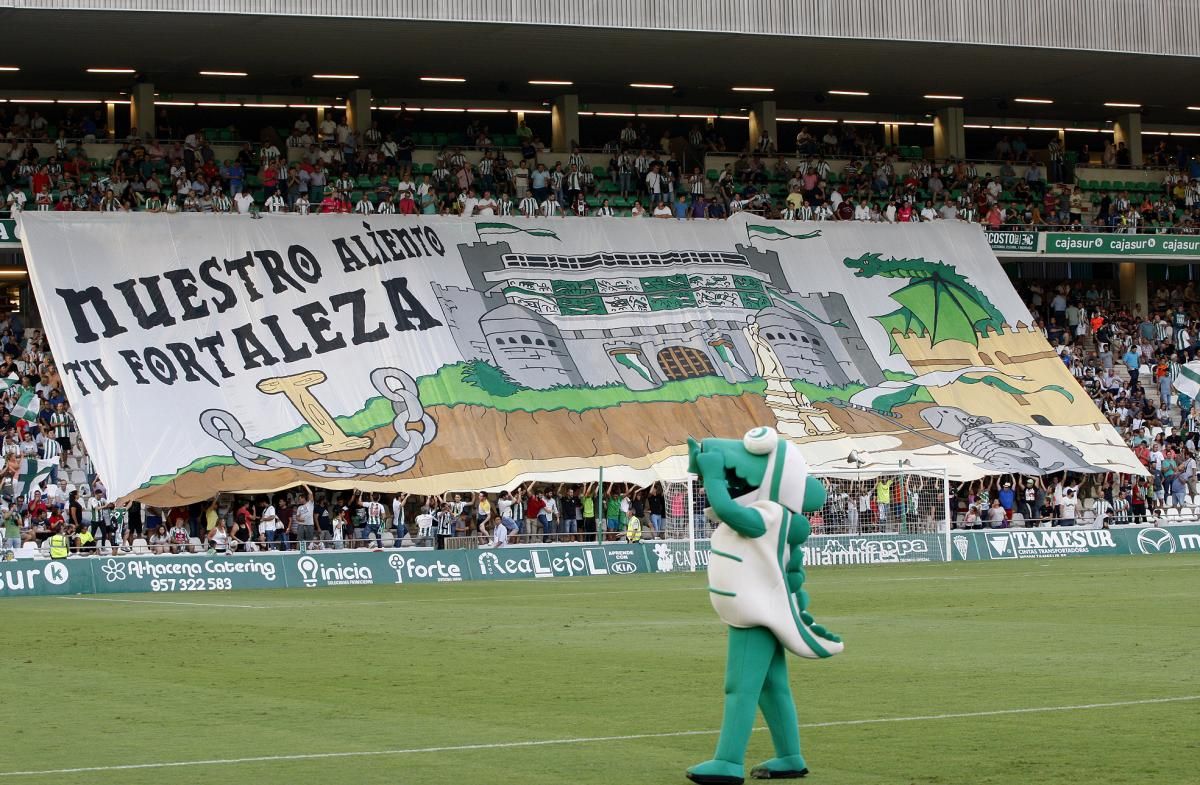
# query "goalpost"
(869, 517)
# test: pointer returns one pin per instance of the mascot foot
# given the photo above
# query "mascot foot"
(789, 768)
(716, 772)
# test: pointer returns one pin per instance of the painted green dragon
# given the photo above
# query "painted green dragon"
(938, 301)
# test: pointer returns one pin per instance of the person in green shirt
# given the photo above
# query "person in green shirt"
(588, 505)
(12, 530)
(612, 511)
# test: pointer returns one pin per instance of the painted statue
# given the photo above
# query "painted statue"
(759, 489)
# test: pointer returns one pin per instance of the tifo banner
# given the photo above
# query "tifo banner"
(8, 232)
(116, 574)
(206, 353)
(1022, 242)
(1122, 244)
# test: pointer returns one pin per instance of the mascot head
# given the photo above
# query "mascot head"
(761, 466)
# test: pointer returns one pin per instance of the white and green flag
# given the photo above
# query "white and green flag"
(33, 471)
(26, 407)
(1188, 380)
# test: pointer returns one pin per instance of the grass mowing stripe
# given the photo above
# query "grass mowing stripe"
(166, 602)
(589, 739)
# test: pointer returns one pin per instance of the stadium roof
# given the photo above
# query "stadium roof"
(281, 53)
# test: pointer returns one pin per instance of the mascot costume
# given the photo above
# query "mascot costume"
(759, 488)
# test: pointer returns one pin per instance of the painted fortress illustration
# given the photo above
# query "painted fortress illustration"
(552, 320)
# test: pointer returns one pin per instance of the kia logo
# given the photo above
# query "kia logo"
(1155, 541)
(624, 566)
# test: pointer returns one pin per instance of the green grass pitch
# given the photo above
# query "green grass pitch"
(444, 684)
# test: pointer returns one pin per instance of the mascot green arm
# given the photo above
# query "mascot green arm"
(759, 486)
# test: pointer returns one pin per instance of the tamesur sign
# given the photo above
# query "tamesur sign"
(1000, 544)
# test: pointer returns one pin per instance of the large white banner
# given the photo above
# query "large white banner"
(207, 352)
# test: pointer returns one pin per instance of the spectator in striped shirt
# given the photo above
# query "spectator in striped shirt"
(62, 424)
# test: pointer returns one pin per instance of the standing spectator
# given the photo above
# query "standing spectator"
(302, 517)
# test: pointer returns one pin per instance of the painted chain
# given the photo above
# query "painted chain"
(392, 383)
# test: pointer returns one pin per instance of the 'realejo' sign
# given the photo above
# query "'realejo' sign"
(1022, 242)
(208, 573)
(1085, 244)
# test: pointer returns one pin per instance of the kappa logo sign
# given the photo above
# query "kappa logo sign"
(1155, 541)
(1049, 543)
(861, 550)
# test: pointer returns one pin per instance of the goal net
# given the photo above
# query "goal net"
(867, 518)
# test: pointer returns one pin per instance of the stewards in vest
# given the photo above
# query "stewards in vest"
(60, 544)
(633, 528)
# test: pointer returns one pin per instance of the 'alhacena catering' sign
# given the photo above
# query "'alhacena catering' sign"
(210, 352)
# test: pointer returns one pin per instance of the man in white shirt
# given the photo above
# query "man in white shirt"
(244, 202)
(302, 518)
(551, 524)
(499, 533)
(425, 523)
(268, 525)
(327, 129)
(1067, 506)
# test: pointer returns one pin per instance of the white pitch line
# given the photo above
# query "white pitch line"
(166, 602)
(582, 739)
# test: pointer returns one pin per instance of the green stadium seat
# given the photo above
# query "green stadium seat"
(713, 175)
(600, 172)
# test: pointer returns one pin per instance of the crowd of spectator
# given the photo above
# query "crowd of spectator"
(301, 519)
(843, 175)
(1124, 359)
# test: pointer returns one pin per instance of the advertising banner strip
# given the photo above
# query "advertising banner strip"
(210, 573)
(207, 573)
(381, 353)
(1083, 244)
(1001, 544)
(1019, 242)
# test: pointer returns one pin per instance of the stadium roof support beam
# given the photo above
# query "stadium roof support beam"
(1133, 287)
(762, 118)
(1128, 129)
(949, 138)
(564, 122)
(141, 108)
(358, 109)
